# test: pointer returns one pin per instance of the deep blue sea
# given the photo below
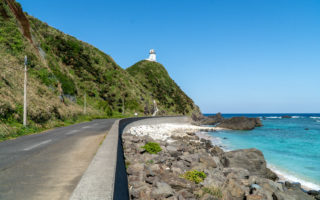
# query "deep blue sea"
(290, 146)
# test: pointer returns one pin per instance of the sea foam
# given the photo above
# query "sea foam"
(274, 117)
(289, 177)
(315, 117)
(296, 117)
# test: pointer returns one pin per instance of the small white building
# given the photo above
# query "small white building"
(152, 55)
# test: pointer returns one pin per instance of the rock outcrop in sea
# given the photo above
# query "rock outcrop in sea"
(240, 123)
(188, 167)
(234, 123)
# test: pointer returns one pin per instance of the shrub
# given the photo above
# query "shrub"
(67, 84)
(46, 77)
(152, 147)
(194, 176)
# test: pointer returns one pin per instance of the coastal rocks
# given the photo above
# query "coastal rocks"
(251, 160)
(286, 117)
(233, 190)
(315, 194)
(234, 175)
(240, 123)
(211, 120)
(234, 123)
(162, 190)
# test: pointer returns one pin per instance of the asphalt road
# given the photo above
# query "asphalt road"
(50, 164)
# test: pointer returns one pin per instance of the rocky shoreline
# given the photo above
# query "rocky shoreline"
(234, 123)
(184, 166)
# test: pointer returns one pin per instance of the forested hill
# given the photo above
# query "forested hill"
(63, 71)
(155, 79)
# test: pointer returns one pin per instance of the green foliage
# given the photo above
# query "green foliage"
(17, 129)
(9, 114)
(91, 70)
(194, 176)
(152, 147)
(11, 38)
(157, 81)
(46, 77)
(71, 51)
(18, 5)
(67, 83)
(33, 60)
(103, 105)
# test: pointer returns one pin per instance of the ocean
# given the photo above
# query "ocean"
(290, 146)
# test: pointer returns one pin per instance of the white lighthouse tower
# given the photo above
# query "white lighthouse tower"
(152, 55)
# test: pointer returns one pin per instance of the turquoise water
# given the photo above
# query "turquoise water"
(288, 147)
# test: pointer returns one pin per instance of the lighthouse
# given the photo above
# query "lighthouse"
(152, 55)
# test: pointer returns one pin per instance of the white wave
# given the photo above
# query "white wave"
(318, 121)
(315, 117)
(274, 117)
(296, 117)
(216, 141)
(289, 177)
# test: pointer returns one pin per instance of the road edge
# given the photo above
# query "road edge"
(97, 182)
(106, 177)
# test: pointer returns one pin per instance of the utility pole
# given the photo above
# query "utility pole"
(25, 93)
(85, 103)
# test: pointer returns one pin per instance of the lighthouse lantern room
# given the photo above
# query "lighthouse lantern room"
(152, 55)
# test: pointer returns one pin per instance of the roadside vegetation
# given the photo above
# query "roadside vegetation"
(152, 147)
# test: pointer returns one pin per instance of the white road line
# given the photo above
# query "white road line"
(71, 132)
(36, 145)
(86, 127)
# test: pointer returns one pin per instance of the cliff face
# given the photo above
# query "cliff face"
(62, 70)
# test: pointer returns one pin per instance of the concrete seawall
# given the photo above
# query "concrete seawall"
(106, 176)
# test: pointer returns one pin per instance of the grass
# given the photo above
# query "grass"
(214, 191)
(194, 176)
(152, 147)
(15, 129)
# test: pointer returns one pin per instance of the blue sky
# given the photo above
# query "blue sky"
(229, 56)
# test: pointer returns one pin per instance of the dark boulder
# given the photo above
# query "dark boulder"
(212, 120)
(240, 123)
(286, 117)
(313, 192)
(251, 160)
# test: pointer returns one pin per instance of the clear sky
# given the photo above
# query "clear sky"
(232, 56)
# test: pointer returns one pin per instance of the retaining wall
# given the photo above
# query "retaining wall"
(106, 176)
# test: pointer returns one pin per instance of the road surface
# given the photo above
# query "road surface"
(49, 165)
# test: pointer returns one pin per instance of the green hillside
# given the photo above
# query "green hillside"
(155, 79)
(63, 70)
